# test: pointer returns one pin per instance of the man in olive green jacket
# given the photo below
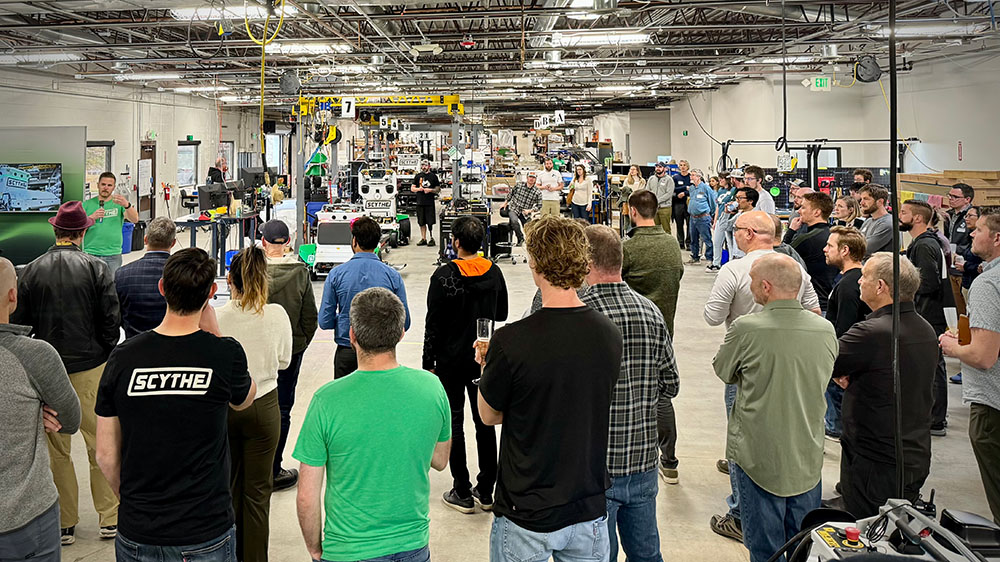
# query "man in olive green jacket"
(289, 286)
(652, 267)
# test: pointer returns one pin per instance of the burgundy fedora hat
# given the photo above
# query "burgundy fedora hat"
(71, 216)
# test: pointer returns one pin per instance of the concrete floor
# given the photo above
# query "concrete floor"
(683, 510)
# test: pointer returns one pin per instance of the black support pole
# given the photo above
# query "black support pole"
(894, 191)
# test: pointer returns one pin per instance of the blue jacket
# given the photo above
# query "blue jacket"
(138, 286)
(363, 271)
(702, 200)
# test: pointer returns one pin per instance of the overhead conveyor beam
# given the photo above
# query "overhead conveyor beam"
(310, 104)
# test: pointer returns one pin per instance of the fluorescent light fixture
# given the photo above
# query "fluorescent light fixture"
(621, 88)
(148, 76)
(585, 4)
(201, 89)
(208, 13)
(341, 69)
(277, 48)
(790, 59)
(583, 16)
(592, 39)
(517, 80)
(918, 29)
(39, 57)
(231, 99)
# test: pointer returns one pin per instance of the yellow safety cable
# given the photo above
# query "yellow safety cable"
(900, 133)
(263, 42)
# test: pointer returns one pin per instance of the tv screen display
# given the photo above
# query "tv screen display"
(30, 187)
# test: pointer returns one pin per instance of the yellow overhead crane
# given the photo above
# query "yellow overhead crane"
(310, 104)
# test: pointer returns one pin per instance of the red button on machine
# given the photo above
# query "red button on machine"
(853, 534)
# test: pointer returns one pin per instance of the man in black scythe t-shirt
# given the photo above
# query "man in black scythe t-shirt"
(162, 438)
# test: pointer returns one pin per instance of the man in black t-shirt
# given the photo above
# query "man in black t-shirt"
(548, 379)
(426, 185)
(845, 248)
(162, 408)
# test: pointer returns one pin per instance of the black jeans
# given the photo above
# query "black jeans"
(457, 382)
(680, 212)
(984, 433)
(939, 411)
(345, 361)
(666, 432)
(516, 221)
(287, 380)
(867, 484)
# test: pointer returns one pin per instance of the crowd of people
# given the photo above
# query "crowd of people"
(186, 420)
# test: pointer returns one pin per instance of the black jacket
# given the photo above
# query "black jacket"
(934, 294)
(809, 245)
(215, 176)
(68, 298)
(866, 357)
(461, 292)
(846, 307)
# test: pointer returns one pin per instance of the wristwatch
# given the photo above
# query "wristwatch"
(129, 205)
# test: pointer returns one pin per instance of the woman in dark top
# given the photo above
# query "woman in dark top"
(965, 261)
(847, 212)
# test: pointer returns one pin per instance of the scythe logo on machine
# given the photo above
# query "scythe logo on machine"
(191, 381)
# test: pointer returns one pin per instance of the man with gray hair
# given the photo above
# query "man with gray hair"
(780, 359)
(217, 174)
(37, 397)
(137, 283)
(701, 209)
(648, 377)
(376, 466)
(864, 370)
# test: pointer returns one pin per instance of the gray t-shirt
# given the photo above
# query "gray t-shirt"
(983, 387)
(765, 203)
(878, 234)
(31, 374)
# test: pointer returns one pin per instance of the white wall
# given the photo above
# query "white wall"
(126, 114)
(649, 136)
(942, 104)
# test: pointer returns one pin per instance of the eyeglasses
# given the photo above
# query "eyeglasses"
(953, 196)
(737, 228)
(740, 198)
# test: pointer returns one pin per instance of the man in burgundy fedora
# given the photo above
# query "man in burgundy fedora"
(68, 299)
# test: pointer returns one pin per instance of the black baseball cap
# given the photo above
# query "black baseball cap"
(275, 231)
(660, 164)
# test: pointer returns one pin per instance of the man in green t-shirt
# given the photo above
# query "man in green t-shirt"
(374, 434)
(109, 211)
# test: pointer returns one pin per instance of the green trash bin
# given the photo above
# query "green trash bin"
(307, 253)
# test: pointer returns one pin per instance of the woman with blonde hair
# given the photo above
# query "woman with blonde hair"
(265, 332)
(847, 212)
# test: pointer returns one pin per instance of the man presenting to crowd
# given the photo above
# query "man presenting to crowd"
(781, 359)
(426, 185)
(109, 210)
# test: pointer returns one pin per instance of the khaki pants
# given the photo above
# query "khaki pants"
(550, 208)
(662, 218)
(253, 440)
(85, 384)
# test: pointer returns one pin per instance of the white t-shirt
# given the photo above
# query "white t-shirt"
(548, 179)
(266, 338)
(766, 202)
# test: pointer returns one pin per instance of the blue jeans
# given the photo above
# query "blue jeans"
(418, 555)
(701, 231)
(114, 262)
(718, 239)
(219, 549)
(587, 541)
(834, 398)
(632, 513)
(579, 211)
(733, 501)
(771, 520)
(37, 540)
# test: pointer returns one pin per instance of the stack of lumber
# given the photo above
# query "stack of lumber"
(986, 183)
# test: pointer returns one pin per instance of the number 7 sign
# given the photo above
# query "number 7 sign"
(348, 108)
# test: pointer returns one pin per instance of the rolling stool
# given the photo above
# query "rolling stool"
(501, 246)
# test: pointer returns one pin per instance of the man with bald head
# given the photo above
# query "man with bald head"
(732, 298)
(780, 359)
(37, 397)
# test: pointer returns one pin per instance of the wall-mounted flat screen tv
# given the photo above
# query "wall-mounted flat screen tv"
(30, 187)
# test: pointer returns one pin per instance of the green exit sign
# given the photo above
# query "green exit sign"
(821, 84)
(684, 133)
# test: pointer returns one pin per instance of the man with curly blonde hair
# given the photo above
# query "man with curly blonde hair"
(548, 379)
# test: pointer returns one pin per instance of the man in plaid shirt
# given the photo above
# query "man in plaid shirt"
(522, 201)
(648, 371)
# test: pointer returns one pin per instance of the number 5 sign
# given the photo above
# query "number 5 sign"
(348, 108)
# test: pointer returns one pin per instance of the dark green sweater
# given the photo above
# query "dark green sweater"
(290, 287)
(652, 266)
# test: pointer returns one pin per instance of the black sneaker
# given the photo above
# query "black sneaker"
(462, 505)
(939, 430)
(431, 241)
(722, 465)
(67, 536)
(727, 526)
(109, 532)
(485, 501)
(422, 243)
(285, 479)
